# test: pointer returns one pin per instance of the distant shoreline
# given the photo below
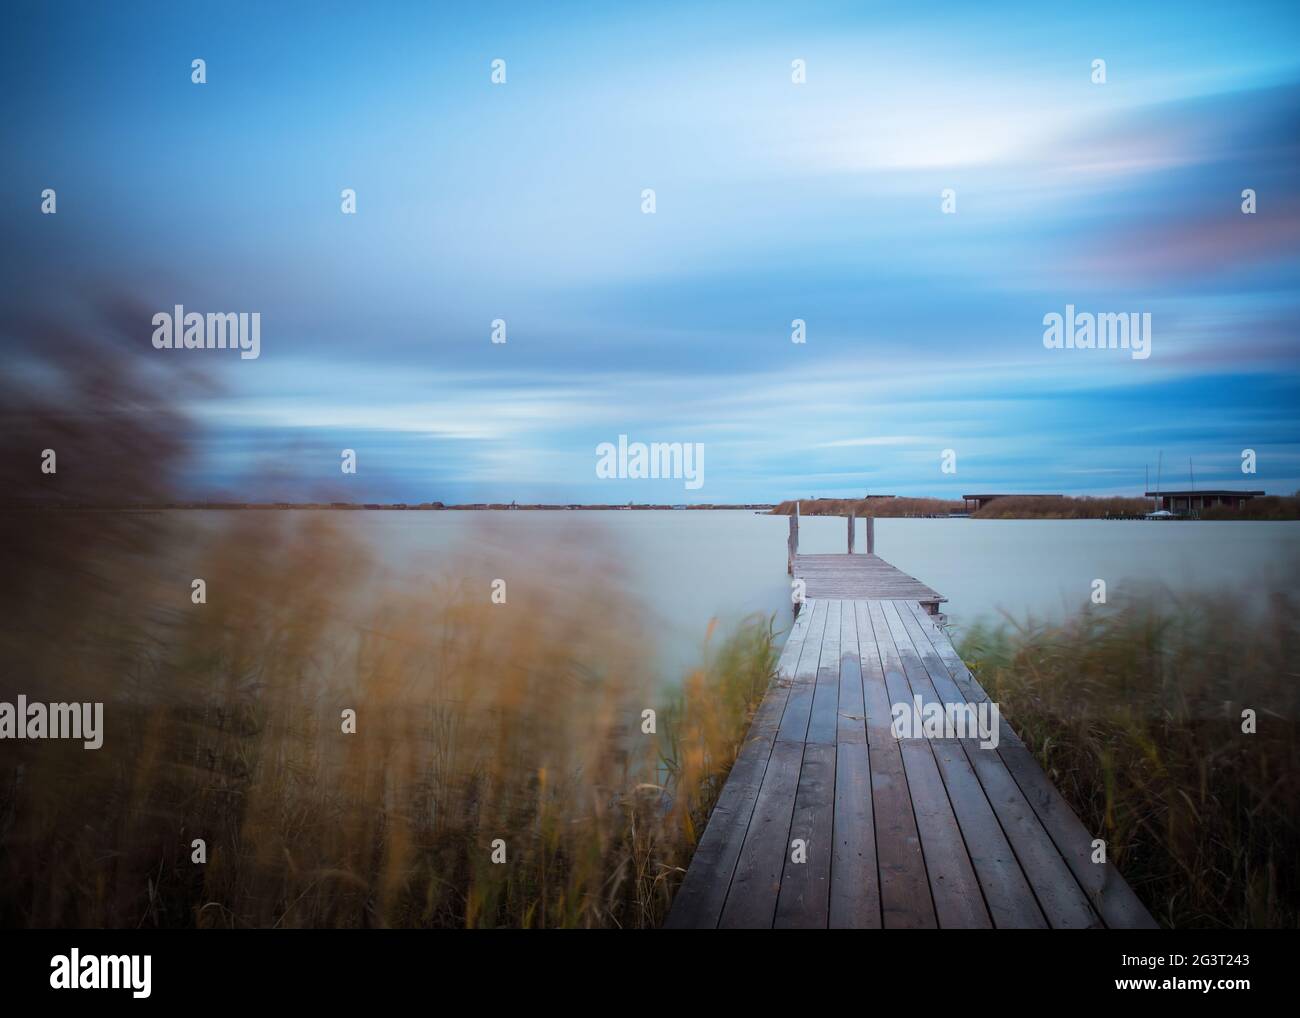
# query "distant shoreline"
(1038, 507)
(373, 506)
(1053, 507)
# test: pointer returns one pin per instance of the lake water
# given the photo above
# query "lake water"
(688, 567)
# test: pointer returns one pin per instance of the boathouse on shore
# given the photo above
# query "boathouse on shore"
(1192, 501)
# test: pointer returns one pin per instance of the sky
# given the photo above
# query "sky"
(820, 201)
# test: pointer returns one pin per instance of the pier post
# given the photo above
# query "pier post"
(792, 545)
(852, 520)
(871, 535)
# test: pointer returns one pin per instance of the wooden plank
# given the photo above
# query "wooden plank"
(858, 576)
(909, 659)
(958, 899)
(942, 645)
(1105, 887)
(699, 900)
(1063, 903)
(1007, 894)
(851, 723)
(767, 718)
(1010, 900)
(751, 899)
(823, 719)
(896, 684)
(961, 675)
(798, 706)
(875, 695)
(805, 886)
(923, 640)
(1107, 890)
(855, 879)
(905, 901)
(1059, 896)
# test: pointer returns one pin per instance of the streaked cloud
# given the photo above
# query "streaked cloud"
(775, 202)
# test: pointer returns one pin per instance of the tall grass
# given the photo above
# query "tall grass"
(517, 725)
(1061, 507)
(1135, 712)
(1268, 507)
(476, 722)
(878, 507)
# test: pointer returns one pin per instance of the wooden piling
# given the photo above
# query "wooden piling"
(852, 521)
(793, 541)
(871, 535)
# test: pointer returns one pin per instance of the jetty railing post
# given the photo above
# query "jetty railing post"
(793, 543)
(871, 535)
(852, 521)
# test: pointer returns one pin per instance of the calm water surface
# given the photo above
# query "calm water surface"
(689, 567)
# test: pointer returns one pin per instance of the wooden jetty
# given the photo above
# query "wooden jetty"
(895, 833)
(855, 576)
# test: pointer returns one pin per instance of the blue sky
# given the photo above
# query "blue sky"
(774, 201)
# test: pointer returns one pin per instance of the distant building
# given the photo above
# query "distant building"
(1191, 501)
(980, 501)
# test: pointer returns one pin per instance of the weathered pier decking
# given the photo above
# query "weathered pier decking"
(848, 576)
(855, 576)
(896, 833)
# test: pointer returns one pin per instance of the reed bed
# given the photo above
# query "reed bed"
(1268, 507)
(1062, 507)
(477, 724)
(484, 732)
(1135, 711)
(1008, 507)
(878, 507)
